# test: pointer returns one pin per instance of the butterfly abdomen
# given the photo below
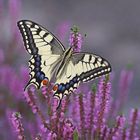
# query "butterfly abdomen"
(65, 59)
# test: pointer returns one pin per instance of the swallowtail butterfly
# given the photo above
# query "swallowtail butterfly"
(51, 61)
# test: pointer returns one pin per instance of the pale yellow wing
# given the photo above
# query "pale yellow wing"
(45, 50)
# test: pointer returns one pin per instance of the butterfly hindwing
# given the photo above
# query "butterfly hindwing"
(82, 67)
(45, 50)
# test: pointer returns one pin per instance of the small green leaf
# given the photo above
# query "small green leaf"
(107, 78)
(49, 110)
(75, 135)
(94, 87)
(17, 114)
(75, 29)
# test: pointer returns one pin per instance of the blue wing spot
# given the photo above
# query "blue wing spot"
(37, 58)
(63, 89)
(34, 51)
(36, 69)
(75, 79)
(67, 86)
(32, 45)
(37, 64)
(60, 87)
(42, 76)
(71, 83)
(38, 74)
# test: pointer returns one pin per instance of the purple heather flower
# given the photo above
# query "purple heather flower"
(54, 105)
(75, 40)
(38, 137)
(51, 136)
(102, 102)
(74, 109)
(54, 114)
(62, 29)
(68, 129)
(32, 128)
(14, 11)
(5, 72)
(124, 85)
(11, 81)
(43, 128)
(82, 116)
(87, 109)
(90, 113)
(64, 104)
(16, 121)
(30, 98)
(117, 131)
(47, 94)
(24, 76)
(133, 124)
(125, 80)
(44, 90)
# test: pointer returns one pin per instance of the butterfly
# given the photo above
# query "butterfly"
(51, 61)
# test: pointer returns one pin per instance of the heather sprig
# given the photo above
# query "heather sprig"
(91, 113)
(134, 115)
(126, 78)
(75, 39)
(102, 104)
(118, 129)
(18, 127)
(82, 116)
(31, 100)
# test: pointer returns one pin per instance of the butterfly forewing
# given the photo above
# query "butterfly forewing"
(35, 37)
(45, 50)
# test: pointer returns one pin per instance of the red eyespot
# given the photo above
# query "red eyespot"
(45, 81)
(55, 87)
